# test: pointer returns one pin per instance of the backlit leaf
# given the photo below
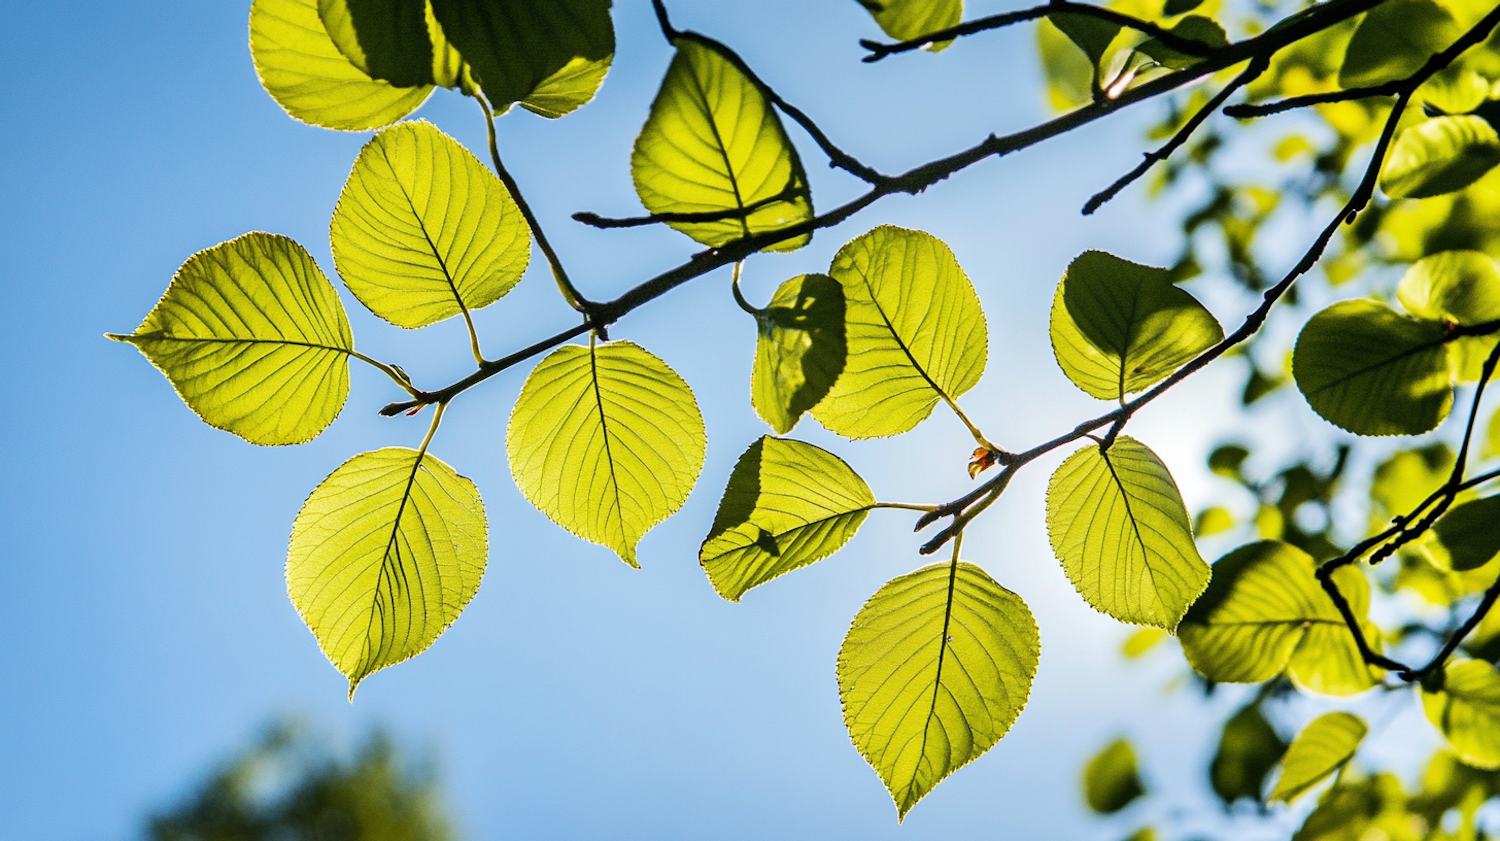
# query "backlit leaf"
(1462, 287)
(1088, 33)
(607, 441)
(1322, 748)
(387, 39)
(1110, 781)
(1467, 537)
(1372, 371)
(423, 229)
(1119, 327)
(906, 20)
(1264, 613)
(304, 71)
(1394, 40)
(1248, 749)
(787, 505)
(714, 144)
(1441, 155)
(1117, 523)
(557, 51)
(799, 351)
(914, 329)
(254, 339)
(384, 556)
(1466, 710)
(1198, 28)
(934, 670)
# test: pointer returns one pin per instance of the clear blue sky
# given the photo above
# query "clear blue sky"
(145, 631)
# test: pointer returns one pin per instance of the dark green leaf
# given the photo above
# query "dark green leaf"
(1089, 33)
(1110, 781)
(388, 39)
(1248, 750)
(1468, 536)
(1366, 368)
(1395, 39)
(1204, 30)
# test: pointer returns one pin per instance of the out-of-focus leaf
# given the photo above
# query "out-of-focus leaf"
(1213, 520)
(1442, 155)
(1322, 748)
(1467, 537)
(1110, 781)
(1248, 750)
(1466, 710)
(1142, 641)
(1394, 40)
(1203, 30)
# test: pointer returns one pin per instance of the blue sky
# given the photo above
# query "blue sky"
(145, 631)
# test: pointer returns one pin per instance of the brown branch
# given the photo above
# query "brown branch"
(1246, 111)
(596, 221)
(880, 50)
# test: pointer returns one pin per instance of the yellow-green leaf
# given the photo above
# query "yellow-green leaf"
(1264, 613)
(1322, 748)
(1119, 327)
(1466, 710)
(1462, 287)
(1118, 525)
(1441, 155)
(1373, 371)
(304, 71)
(713, 144)
(557, 51)
(387, 39)
(1142, 641)
(787, 505)
(906, 20)
(1394, 40)
(914, 330)
(607, 441)
(1492, 437)
(1110, 781)
(934, 670)
(384, 556)
(254, 339)
(423, 230)
(800, 349)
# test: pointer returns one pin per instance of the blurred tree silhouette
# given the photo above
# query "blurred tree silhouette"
(289, 786)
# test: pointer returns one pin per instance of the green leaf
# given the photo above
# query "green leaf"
(934, 670)
(1322, 748)
(1142, 641)
(550, 57)
(906, 20)
(713, 144)
(1248, 749)
(1372, 371)
(1204, 30)
(387, 39)
(304, 71)
(1442, 155)
(1394, 40)
(800, 349)
(1265, 613)
(1462, 287)
(1349, 810)
(1117, 523)
(254, 339)
(1492, 437)
(607, 441)
(1213, 520)
(787, 505)
(1071, 77)
(384, 556)
(1119, 327)
(1180, 7)
(1466, 710)
(1467, 537)
(1088, 33)
(915, 333)
(1110, 782)
(423, 230)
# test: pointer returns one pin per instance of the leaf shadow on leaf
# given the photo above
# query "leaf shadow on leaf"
(805, 334)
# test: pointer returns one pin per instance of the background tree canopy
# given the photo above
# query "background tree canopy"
(1341, 267)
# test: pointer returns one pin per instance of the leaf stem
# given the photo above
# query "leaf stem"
(739, 297)
(570, 293)
(390, 371)
(905, 506)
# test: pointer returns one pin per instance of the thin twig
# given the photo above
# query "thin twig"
(880, 50)
(597, 221)
(1247, 111)
(1257, 67)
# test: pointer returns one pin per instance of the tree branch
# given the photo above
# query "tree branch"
(1246, 111)
(596, 221)
(880, 50)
